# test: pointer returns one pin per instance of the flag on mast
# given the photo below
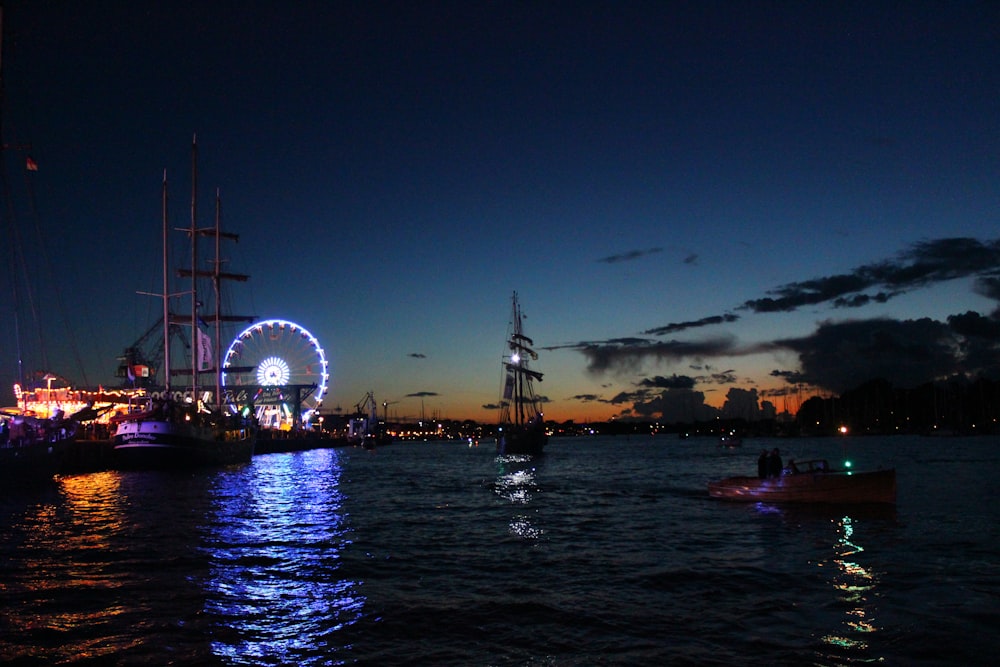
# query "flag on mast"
(204, 350)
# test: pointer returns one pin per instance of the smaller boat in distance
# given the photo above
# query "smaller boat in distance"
(730, 440)
(810, 482)
(521, 428)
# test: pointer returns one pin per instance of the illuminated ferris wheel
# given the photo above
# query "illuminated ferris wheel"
(285, 360)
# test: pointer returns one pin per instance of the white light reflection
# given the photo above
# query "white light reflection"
(516, 484)
(274, 550)
(855, 585)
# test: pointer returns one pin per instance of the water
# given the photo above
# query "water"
(603, 552)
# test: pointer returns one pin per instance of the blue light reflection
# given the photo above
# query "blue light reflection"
(274, 545)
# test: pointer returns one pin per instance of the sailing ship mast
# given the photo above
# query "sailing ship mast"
(522, 429)
(199, 344)
(193, 232)
(16, 249)
(166, 295)
(519, 390)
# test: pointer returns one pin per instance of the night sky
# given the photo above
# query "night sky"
(695, 201)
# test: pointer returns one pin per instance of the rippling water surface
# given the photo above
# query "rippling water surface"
(604, 551)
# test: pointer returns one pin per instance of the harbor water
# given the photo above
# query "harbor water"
(605, 551)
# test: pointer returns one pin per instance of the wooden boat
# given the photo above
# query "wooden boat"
(810, 482)
(189, 430)
(521, 428)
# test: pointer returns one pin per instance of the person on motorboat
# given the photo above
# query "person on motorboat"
(774, 463)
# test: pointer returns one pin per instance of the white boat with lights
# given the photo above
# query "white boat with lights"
(521, 428)
(203, 429)
(810, 482)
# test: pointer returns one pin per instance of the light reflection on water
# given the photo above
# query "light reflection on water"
(274, 547)
(842, 619)
(516, 483)
(856, 590)
(54, 583)
(605, 551)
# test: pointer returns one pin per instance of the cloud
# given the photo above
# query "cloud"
(627, 354)
(417, 355)
(980, 343)
(725, 377)
(989, 286)
(629, 256)
(674, 405)
(624, 397)
(924, 263)
(674, 382)
(842, 355)
(837, 355)
(422, 394)
(674, 327)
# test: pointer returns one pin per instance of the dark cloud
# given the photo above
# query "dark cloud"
(842, 355)
(629, 256)
(691, 259)
(627, 354)
(837, 356)
(778, 392)
(791, 377)
(741, 404)
(623, 342)
(422, 394)
(586, 398)
(673, 382)
(624, 397)
(980, 343)
(725, 377)
(974, 325)
(417, 355)
(674, 405)
(924, 263)
(490, 406)
(674, 327)
(989, 286)
(858, 300)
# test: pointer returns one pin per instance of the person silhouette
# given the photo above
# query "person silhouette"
(774, 463)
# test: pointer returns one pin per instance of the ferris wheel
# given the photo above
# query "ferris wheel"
(278, 354)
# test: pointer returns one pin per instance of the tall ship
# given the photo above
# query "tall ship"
(195, 425)
(521, 426)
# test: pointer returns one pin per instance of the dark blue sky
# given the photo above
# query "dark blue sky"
(645, 175)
